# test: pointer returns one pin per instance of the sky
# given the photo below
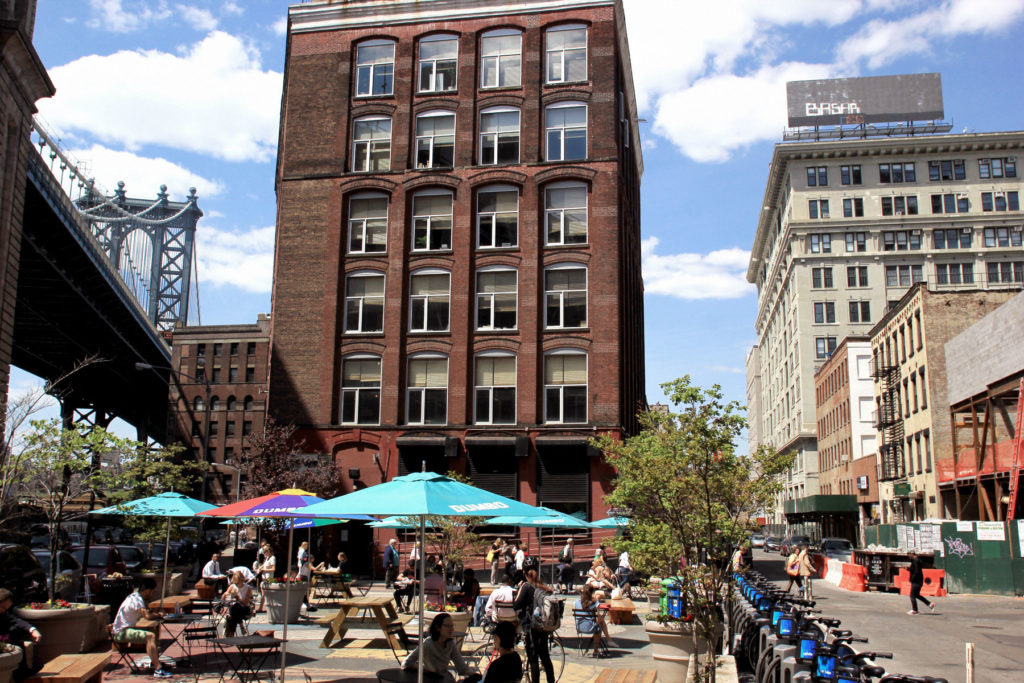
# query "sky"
(188, 94)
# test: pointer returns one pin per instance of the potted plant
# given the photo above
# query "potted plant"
(63, 626)
(10, 658)
(281, 590)
(690, 495)
(460, 614)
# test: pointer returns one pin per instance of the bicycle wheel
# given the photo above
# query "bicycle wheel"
(483, 655)
(557, 653)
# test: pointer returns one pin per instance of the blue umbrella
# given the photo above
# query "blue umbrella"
(417, 495)
(611, 523)
(396, 522)
(168, 504)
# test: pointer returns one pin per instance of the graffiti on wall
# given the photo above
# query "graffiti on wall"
(958, 547)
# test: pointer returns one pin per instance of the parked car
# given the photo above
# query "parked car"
(837, 549)
(772, 543)
(792, 543)
(103, 560)
(69, 573)
(757, 540)
(134, 557)
(21, 573)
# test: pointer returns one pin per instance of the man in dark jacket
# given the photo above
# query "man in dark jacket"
(16, 631)
(390, 563)
(916, 583)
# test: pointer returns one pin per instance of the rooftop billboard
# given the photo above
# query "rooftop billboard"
(874, 99)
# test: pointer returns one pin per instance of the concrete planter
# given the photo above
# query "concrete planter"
(673, 649)
(9, 661)
(97, 631)
(175, 582)
(275, 601)
(63, 630)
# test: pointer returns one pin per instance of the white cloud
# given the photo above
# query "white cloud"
(231, 8)
(143, 176)
(719, 114)
(726, 368)
(240, 259)
(720, 274)
(281, 26)
(112, 15)
(214, 99)
(198, 18)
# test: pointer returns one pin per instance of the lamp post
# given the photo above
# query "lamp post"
(205, 437)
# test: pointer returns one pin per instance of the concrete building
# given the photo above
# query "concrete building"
(847, 227)
(457, 276)
(984, 368)
(753, 366)
(908, 351)
(218, 395)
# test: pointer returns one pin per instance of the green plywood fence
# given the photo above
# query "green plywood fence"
(972, 565)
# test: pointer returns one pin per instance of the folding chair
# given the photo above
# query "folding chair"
(124, 654)
(587, 619)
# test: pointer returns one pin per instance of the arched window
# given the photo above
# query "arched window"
(497, 216)
(247, 405)
(495, 388)
(438, 63)
(371, 144)
(429, 295)
(364, 301)
(198, 404)
(360, 389)
(427, 391)
(435, 139)
(565, 213)
(565, 386)
(565, 292)
(566, 53)
(375, 68)
(496, 298)
(501, 59)
(232, 404)
(499, 136)
(432, 220)
(368, 223)
(565, 124)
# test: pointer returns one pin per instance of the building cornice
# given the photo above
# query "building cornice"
(331, 14)
(854, 150)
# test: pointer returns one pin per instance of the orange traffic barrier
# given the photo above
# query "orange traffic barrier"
(934, 582)
(855, 578)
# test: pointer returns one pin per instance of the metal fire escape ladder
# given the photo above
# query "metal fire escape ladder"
(1018, 452)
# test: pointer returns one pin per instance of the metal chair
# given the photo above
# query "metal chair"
(124, 654)
(587, 619)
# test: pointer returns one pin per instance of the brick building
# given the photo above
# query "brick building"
(219, 395)
(23, 81)
(909, 370)
(457, 270)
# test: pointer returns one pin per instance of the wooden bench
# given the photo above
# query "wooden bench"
(87, 668)
(621, 611)
(627, 676)
(171, 604)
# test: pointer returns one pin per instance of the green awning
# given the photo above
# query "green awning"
(821, 504)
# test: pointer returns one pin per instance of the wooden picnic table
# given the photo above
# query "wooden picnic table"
(333, 581)
(87, 668)
(620, 611)
(171, 604)
(384, 612)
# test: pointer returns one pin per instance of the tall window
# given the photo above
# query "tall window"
(368, 224)
(817, 208)
(435, 139)
(856, 276)
(565, 290)
(952, 238)
(501, 57)
(438, 62)
(1005, 271)
(371, 144)
(954, 273)
(566, 126)
(850, 175)
(364, 302)
(824, 312)
(495, 389)
(360, 390)
(428, 301)
(427, 394)
(565, 387)
(565, 206)
(903, 276)
(856, 241)
(496, 299)
(853, 207)
(817, 175)
(1002, 237)
(497, 217)
(566, 54)
(375, 68)
(860, 311)
(432, 221)
(499, 136)
(821, 278)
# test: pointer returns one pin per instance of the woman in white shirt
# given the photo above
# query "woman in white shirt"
(305, 571)
(266, 571)
(239, 598)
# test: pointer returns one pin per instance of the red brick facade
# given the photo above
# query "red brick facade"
(310, 340)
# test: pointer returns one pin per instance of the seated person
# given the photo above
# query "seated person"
(16, 631)
(508, 667)
(470, 589)
(238, 598)
(405, 586)
(433, 585)
(439, 650)
(213, 576)
(506, 594)
(600, 585)
(595, 622)
(124, 630)
(246, 573)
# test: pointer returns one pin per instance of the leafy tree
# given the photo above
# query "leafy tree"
(273, 460)
(690, 496)
(453, 537)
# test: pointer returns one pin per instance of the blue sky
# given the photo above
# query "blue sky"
(188, 93)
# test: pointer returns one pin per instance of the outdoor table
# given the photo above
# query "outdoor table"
(330, 582)
(253, 652)
(487, 590)
(185, 620)
(383, 609)
(171, 604)
(396, 675)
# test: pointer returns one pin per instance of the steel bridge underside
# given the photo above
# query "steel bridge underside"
(71, 306)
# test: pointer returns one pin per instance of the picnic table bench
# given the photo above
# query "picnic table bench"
(627, 676)
(620, 611)
(385, 615)
(171, 604)
(87, 668)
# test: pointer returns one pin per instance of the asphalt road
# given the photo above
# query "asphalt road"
(926, 643)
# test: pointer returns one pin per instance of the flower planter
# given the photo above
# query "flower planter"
(460, 619)
(672, 647)
(63, 630)
(275, 593)
(9, 661)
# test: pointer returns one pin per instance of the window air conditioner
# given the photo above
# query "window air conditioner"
(898, 212)
(966, 231)
(1016, 228)
(915, 232)
(1014, 159)
(962, 195)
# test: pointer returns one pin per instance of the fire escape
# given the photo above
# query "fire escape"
(890, 421)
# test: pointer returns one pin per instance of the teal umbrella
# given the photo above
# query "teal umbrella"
(396, 522)
(549, 519)
(168, 504)
(417, 495)
(611, 523)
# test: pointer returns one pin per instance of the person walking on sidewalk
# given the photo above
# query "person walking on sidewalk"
(807, 571)
(390, 563)
(793, 571)
(916, 583)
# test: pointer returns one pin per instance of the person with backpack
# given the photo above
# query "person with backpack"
(533, 598)
(793, 571)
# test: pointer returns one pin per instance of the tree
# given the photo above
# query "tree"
(691, 496)
(453, 537)
(272, 460)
